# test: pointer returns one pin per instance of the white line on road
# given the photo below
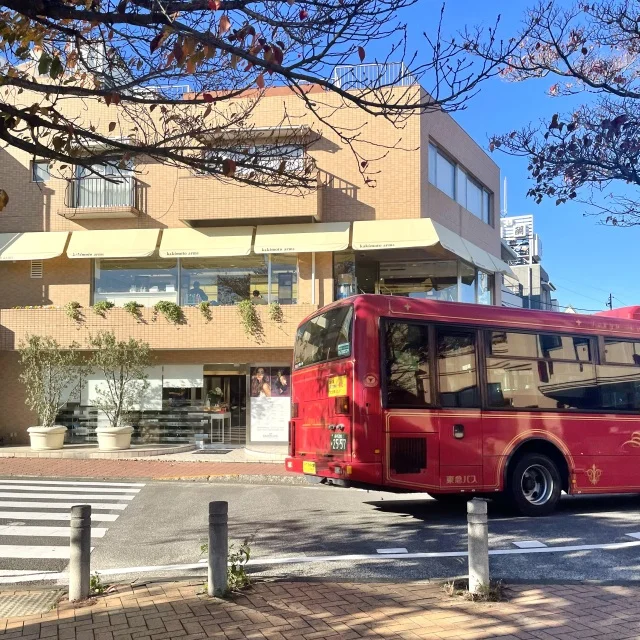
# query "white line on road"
(33, 551)
(43, 515)
(65, 496)
(45, 532)
(614, 546)
(107, 506)
(398, 550)
(16, 572)
(634, 535)
(79, 484)
(28, 487)
(530, 544)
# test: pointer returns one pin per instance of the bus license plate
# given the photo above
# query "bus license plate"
(338, 442)
(308, 467)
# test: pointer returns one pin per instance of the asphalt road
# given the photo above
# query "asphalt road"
(164, 523)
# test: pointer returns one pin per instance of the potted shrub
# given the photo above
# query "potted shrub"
(123, 365)
(51, 374)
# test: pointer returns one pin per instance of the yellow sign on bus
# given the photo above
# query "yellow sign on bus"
(337, 386)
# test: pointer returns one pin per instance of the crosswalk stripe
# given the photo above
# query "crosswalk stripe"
(104, 506)
(45, 532)
(40, 552)
(37, 512)
(73, 483)
(43, 515)
(66, 496)
(27, 487)
(6, 573)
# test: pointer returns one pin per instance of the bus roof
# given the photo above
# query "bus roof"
(624, 321)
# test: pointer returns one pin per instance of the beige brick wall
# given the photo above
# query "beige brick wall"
(224, 331)
(62, 280)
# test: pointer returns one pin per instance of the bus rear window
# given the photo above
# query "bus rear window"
(325, 337)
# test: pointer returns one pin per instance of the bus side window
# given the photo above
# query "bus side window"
(457, 369)
(408, 379)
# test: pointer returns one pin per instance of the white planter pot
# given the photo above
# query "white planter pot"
(114, 439)
(46, 438)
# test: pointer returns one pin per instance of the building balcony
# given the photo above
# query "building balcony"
(98, 197)
(223, 331)
(203, 201)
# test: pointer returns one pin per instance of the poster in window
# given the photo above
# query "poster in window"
(270, 403)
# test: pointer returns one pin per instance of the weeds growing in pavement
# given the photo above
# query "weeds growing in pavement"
(96, 586)
(495, 592)
(237, 577)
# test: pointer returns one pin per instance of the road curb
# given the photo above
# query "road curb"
(237, 479)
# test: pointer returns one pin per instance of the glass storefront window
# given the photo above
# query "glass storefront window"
(146, 281)
(436, 280)
(467, 283)
(344, 274)
(485, 288)
(224, 281)
(284, 278)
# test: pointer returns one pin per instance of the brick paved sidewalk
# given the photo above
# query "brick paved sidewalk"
(147, 469)
(314, 611)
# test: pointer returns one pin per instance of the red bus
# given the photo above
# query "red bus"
(418, 395)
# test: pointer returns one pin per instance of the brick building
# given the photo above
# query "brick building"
(429, 228)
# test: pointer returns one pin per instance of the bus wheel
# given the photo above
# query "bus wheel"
(534, 485)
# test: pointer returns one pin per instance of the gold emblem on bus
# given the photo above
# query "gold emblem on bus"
(594, 474)
(634, 442)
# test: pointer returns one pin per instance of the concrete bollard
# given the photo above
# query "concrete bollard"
(80, 552)
(478, 533)
(217, 584)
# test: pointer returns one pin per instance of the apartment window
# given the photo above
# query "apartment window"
(445, 172)
(453, 180)
(40, 171)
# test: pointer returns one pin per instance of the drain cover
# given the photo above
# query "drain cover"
(27, 603)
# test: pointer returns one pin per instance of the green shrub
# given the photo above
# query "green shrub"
(134, 309)
(101, 307)
(170, 310)
(205, 310)
(72, 310)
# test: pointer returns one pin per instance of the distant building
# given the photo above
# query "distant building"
(531, 283)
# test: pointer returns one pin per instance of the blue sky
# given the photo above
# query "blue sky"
(584, 260)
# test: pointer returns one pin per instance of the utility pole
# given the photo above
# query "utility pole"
(610, 301)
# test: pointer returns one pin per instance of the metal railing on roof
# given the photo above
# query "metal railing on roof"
(373, 75)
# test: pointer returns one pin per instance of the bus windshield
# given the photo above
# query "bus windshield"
(325, 337)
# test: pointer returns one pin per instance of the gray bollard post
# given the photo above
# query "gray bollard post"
(80, 552)
(478, 532)
(217, 584)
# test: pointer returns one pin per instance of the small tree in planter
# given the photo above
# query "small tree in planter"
(123, 365)
(51, 374)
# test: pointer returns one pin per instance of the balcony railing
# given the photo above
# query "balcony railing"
(373, 76)
(95, 192)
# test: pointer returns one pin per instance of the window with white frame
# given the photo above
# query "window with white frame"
(442, 171)
(453, 180)
(40, 171)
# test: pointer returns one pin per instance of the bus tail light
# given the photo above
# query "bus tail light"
(292, 438)
(342, 405)
(294, 410)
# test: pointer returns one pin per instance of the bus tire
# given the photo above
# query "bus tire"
(534, 485)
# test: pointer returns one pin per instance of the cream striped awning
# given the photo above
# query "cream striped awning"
(302, 238)
(369, 235)
(32, 245)
(206, 243)
(113, 243)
